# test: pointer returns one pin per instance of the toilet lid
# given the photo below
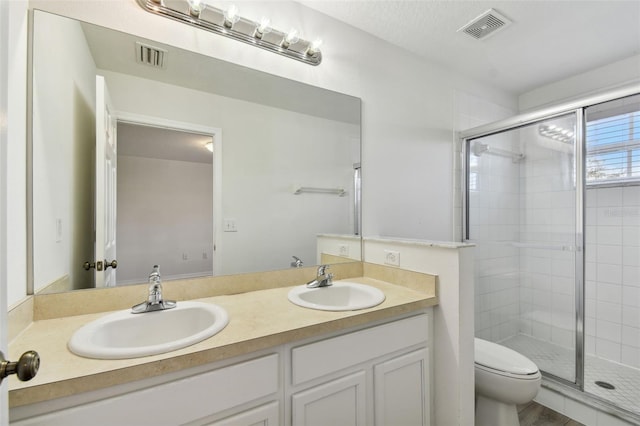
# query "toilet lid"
(501, 358)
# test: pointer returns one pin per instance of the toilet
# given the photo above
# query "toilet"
(504, 378)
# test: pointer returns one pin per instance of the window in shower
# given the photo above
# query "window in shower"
(613, 142)
(521, 214)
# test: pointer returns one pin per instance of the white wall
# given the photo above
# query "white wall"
(165, 213)
(16, 152)
(266, 152)
(617, 74)
(4, 142)
(64, 74)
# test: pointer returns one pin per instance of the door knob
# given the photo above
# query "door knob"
(113, 264)
(98, 265)
(26, 368)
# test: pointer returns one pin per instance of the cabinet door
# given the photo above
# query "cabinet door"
(401, 390)
(339, 402)
(265, 415)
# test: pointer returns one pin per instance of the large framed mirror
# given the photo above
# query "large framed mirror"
(144, 154)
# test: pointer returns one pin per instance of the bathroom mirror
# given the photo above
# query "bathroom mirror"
(281, 177)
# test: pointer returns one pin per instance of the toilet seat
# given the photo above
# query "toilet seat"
(498, 359)
(532, 376)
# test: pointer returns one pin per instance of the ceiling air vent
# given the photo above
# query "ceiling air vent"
(150, 55)
(486, 24)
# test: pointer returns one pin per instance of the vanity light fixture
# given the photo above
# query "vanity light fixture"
(314, 47)
(231, 16)
(195, 7)
(230, 24)
(264, 27)
(290, 38)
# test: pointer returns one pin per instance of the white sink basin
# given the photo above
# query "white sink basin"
(341, 296)
(125, 335)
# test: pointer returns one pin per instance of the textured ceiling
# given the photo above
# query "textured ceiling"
(547, 41)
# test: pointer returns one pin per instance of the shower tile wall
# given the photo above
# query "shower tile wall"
(547, 241)
(494, 223)
(612, 278)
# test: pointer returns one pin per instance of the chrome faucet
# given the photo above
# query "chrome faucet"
(322, 279)
(154, 301)
(297, 262)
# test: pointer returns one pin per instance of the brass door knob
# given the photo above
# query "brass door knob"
(98, 265)
(26, 368)
(113, 264)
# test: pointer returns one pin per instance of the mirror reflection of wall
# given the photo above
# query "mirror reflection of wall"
(278, 134)
(165, 203)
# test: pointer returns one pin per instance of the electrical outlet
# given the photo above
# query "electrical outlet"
(392, 257)
(184, 256)
(230, 225)
(343, 250)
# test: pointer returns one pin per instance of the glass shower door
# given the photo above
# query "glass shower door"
(521, 213)
(612, 252)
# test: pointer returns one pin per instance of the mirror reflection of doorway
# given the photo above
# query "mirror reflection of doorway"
(164, 203)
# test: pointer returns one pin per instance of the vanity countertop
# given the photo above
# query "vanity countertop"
(258, 320)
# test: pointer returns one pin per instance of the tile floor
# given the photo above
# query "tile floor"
(560, 362)
(534, 414)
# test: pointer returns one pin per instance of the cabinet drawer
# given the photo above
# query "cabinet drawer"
(176, 402)
(327, 356)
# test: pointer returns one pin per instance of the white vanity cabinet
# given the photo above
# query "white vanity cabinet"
(375, 376)
(192, 400)
(372, 375)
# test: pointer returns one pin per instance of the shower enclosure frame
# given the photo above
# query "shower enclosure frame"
(577, 109)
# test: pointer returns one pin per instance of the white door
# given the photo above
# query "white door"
(4, 83)
(105, 202)
(339, 402)
(401, 390)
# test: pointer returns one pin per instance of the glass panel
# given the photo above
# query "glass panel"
(612, 256)
(522, 216)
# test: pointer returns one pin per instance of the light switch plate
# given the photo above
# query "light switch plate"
(230, 225)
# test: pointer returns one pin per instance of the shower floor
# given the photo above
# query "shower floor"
(560, 361)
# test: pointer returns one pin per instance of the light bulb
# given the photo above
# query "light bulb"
(314, 47)
(264, 27)
(195, 7)
(290, 38)
(231, 16)
(209, 146)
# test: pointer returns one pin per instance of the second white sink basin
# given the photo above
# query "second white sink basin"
(341, 296)
(123, 334)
